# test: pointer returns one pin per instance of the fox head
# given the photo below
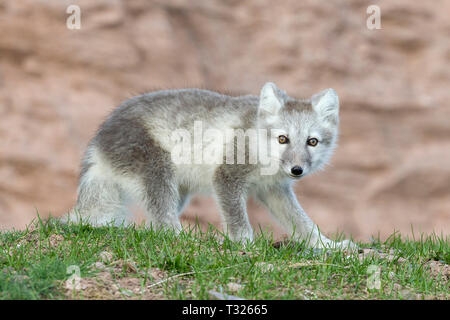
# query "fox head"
(303, 131)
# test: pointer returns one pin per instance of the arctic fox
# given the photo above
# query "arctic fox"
(132, 158)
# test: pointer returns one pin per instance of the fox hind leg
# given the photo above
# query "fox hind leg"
(101, 201)
(161, 199)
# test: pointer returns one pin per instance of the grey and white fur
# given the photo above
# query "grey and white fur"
(129, 159)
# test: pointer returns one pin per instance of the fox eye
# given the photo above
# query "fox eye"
(283, 139)
(312, 142)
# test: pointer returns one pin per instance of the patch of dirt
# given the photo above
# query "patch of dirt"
(111, 283)
(390, 255)
(439, 269)
(33, 238)
(234, 287)
(55, 239)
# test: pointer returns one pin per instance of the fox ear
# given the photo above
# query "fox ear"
(269, 102)
(326, 104)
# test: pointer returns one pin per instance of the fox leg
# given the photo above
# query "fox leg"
(100, 202)
(282, 203)
(161, 198)
(232, 199)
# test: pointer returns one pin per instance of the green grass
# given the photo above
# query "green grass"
(139, 263)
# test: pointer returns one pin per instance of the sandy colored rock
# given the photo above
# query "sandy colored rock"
(391, 169)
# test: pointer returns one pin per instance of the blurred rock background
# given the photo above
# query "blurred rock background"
(391, 170)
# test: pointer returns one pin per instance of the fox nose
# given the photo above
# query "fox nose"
(296, 171)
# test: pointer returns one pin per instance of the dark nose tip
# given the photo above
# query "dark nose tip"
(296, 171)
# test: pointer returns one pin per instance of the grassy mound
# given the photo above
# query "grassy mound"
(49, 260)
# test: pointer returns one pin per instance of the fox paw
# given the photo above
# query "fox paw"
(335, 245)
(347, 245)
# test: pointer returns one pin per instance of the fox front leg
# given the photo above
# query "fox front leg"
(231, 196)
(283, 205)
